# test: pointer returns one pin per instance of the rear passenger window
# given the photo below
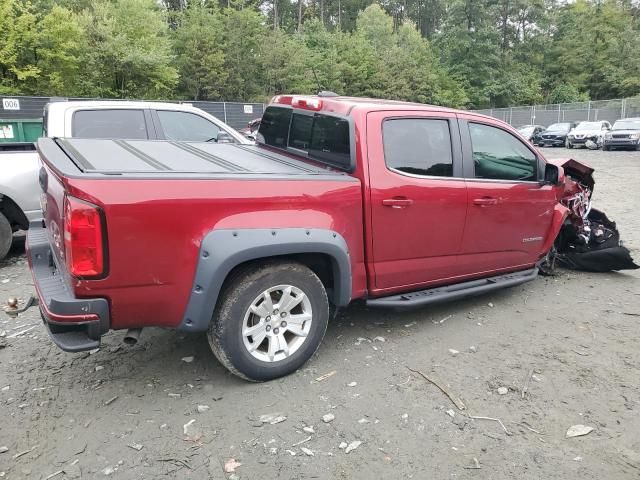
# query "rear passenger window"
(501, 156)
(117, 123)
(418, 146)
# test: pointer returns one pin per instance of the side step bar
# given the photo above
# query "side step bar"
(453, 292)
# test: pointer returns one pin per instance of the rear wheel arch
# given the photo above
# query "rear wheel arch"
(226, 254)
(13, 213)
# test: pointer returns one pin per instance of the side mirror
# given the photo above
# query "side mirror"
(224, 137)
(551, 174)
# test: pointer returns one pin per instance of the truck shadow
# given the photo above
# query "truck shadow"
(175, 363)
(17, 250)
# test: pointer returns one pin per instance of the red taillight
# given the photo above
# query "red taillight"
(83, 238)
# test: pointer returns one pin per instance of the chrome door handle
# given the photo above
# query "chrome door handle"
(397, 202)
(485, 202)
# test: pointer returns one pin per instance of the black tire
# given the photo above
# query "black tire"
(225, 329)
(606, 148)
(6, 236)
(568, 144)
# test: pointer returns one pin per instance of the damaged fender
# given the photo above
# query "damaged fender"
(585, 239)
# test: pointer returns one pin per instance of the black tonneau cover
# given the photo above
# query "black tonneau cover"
(151, 157)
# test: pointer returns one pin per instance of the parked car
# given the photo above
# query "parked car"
(19, 190)
(531, 132)
(624, 134)
(555, 135)
(257, 245)
(585, 131)
(251, 129)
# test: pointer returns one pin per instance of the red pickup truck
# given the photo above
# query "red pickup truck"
(395, 203)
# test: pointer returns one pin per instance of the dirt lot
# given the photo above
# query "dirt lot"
(120, 411)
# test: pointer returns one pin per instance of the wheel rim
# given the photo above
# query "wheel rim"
(277, 323)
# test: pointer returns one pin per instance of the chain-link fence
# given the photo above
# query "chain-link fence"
(610, 110)
(234, 114)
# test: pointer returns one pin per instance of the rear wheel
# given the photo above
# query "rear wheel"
(270, 320)
(6, 236)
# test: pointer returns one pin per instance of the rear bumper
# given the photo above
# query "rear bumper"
(74, 324)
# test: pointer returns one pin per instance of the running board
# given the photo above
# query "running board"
(455, 291)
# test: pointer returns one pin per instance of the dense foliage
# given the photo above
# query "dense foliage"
(472, 53)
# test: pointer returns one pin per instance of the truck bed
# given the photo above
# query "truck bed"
(157, 158)
(159, 201)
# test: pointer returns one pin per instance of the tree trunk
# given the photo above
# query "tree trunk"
(505, 24)
(299, 15)
(275, 14)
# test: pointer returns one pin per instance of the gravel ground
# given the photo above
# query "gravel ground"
(121, 411)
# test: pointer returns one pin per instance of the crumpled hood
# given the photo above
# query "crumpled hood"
(577, 171)
(587, 133)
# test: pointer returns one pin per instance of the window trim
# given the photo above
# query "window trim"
(454, 139)
(303, 153)
(469, 167)
(110, 109)
(161, 134)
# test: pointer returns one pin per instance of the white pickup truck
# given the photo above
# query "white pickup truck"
(19, 164)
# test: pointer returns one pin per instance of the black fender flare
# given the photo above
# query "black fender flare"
(223, 250)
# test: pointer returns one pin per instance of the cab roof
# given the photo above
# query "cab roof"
(343, 105)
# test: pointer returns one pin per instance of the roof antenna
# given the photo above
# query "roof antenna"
(316, 77)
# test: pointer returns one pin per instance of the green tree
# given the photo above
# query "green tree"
(199, 51)
(244, 32)
(61, 52)
(18, 40)
(283, 65)
(130, 50)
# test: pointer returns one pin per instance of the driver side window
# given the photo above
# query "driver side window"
(497, 155)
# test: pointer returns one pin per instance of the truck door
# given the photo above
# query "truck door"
(510, 211)
(418, 198)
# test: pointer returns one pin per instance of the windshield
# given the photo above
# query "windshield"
(627, 125)
(526, 130)
(589, 126)
(559, 126)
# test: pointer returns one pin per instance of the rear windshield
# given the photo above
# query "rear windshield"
(117, 123)
(321, 137)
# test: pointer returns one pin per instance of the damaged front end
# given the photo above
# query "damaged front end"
(588, 240)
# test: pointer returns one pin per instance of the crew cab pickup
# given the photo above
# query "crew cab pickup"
(397, 204)
(19, 164)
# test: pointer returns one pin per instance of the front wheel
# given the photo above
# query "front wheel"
(606, 148)
(6, 236)
(269, 321)
(568, 144)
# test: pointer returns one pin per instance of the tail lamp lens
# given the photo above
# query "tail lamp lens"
(83, 238)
